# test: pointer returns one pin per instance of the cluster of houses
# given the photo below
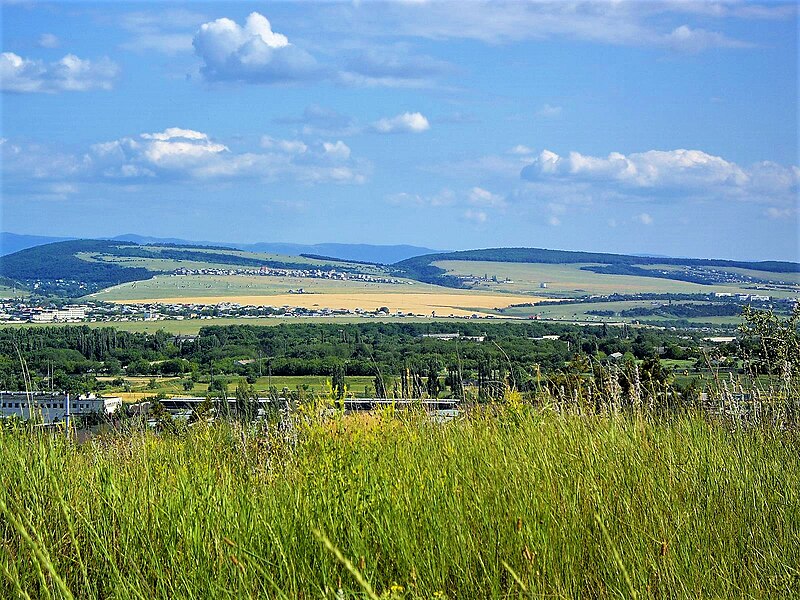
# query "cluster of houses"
(303, 273)
(16, 311)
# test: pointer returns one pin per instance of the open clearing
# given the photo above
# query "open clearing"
(408, 297)
(192, 326)
(418, 303)
(568, 280)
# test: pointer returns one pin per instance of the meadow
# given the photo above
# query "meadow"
(512, 502)
(568, 280)
(192, 326)
(581, 313)
(138, 388)
(413, 297)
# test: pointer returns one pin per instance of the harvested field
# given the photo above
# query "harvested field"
(456, 304)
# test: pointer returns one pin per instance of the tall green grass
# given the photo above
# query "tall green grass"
(506, 503)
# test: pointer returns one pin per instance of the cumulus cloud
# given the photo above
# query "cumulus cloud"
(252, 53)
(70, 74)
(336, 150)
(644, 218)
(403, 123)
(675, 172)
(186, 155)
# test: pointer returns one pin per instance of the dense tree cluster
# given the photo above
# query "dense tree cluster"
(396, 354)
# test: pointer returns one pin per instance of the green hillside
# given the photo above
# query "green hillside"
(691, 270)
(79, 267)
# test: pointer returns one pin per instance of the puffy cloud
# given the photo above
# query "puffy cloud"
(644, 218)
(664, 175)
(70, 74)
(186, 155)
(337, 150)
(403, 123)
(48, 40)
(655, 170)
(481, 197)
(252, 53)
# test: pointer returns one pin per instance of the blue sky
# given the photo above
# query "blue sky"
(638, 127)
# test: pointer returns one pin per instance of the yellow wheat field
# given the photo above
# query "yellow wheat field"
(458, 305)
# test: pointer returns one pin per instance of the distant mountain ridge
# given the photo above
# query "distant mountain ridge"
(371, 253)
(14, 242)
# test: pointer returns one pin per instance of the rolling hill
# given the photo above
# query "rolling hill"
(691, 270)
(371, 253)
(79, 267)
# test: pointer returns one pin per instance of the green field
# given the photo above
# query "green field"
(568, 280)
(169, 264)
(518, 503)
(136, 388)
(192, 326)
(198, 286)
(578, 312)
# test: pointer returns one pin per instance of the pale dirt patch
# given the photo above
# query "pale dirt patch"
(458, 305)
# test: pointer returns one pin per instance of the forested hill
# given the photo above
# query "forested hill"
(78, 267)
(56, 268)
(423, 269)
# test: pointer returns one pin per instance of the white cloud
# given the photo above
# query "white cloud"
(70, 74)
(445, 197)
(554, 221)
(289, 146)
(337, 150)
(664, 172)
(644, 219)
(521, 150)
(686, 39)
(481, 197)
(549, 112)
(48, 40)
(252, 53)
(185, 155)
(403, 123)
(618, 22)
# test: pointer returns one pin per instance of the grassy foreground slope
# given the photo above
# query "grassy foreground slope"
(519, 503)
